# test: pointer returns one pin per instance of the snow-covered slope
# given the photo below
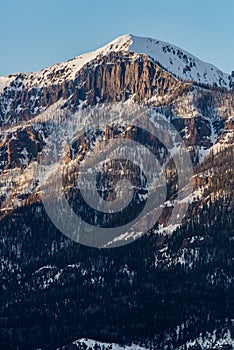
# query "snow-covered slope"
(91, 344)
(179, 62)
(203, 342)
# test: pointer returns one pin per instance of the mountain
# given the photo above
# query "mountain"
(47, 86)
(173, 287)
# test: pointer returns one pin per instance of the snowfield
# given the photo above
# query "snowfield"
(207, 342)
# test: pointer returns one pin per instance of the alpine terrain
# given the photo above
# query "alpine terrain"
(173, 287)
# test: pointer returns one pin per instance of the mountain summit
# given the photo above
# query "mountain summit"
(175, 60)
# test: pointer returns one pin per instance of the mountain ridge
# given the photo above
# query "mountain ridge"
(175, 60)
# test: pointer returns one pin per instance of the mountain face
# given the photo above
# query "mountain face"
(173, 287)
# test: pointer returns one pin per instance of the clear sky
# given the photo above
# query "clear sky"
(37, 33)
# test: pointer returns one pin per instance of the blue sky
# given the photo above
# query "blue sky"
(36, 34)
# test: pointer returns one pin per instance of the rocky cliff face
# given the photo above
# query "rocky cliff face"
(118, 76)
(111, 78)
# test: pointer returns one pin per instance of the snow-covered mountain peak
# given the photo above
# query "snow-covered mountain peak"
(177, 61)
